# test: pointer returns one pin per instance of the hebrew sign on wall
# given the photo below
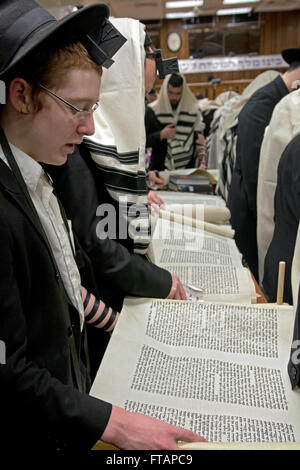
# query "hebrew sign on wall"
(231, 64)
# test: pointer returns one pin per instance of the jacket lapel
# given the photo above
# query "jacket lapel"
(10, 186)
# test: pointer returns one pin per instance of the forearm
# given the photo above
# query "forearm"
(132, 273)
(97, 313)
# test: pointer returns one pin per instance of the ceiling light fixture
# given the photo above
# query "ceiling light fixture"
(233, 11)
(234, 2)
(183, 14)
(184, 4)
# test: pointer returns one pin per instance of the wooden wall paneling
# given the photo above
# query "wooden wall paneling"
(280, 30)
(235, 81)
(168, 26)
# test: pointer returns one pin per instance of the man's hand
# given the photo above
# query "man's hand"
(168, 132)
(134, 431)
(200, 139)
(177, 291)
(155, 179)
(154, 201)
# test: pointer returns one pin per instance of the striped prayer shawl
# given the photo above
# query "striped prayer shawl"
(118, 144)
(282, 129)
(213, 143)
(228, 162)
(181, 150)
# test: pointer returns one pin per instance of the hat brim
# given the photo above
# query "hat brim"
(71, 27)
(291, 55)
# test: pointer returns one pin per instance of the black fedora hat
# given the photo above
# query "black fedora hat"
(25, 25)
(291, 55)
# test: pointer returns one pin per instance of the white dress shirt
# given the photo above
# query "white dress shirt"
(45, 202)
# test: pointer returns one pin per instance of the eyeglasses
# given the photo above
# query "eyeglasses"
(78, 114)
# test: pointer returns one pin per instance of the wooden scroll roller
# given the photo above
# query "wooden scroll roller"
(280, 282)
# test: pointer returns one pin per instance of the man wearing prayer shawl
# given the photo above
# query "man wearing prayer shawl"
(286, 217)
(252, 121)
(174, 125)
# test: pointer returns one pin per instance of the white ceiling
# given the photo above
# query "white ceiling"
(155, 9)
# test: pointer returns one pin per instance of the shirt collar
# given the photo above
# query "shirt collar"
(29, 168)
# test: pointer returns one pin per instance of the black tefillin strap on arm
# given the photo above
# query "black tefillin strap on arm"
(16, 171)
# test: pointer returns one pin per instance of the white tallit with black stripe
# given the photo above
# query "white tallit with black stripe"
(283, 127)
(187, 119)
(118, 144)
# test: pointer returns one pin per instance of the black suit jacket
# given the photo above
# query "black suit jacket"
(158, 146)
(108, 267)
(39, 403)
(252, 121)
(294, 362)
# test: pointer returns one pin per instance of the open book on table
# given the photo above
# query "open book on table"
(173, 197)
(212, 174)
